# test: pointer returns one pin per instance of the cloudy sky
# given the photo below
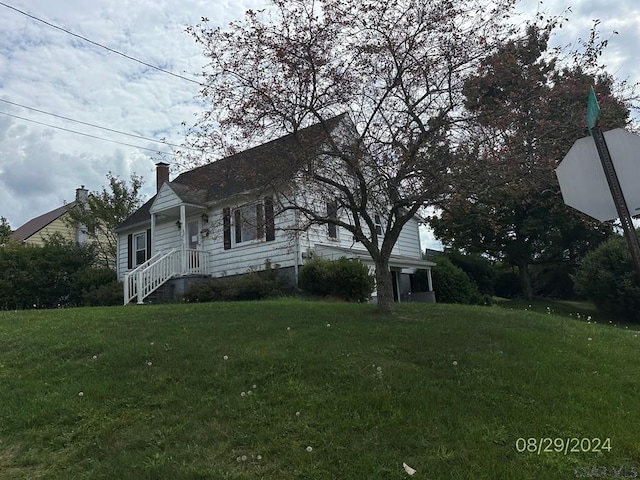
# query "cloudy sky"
(43, 68)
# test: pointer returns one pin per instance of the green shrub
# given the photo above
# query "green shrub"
(89, 279)
(107, 294)
(345, 278)
(607, 278)
(479, 269)
(42, 277)
(452, 285)
(250, 286)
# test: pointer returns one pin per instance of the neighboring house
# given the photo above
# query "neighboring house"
(225, 219)
(39, 229)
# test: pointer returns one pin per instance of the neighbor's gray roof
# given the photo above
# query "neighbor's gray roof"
(34, 225)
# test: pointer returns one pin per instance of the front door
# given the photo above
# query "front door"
(193, 231)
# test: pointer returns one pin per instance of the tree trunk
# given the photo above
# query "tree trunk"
(525, 281)
(384, 287)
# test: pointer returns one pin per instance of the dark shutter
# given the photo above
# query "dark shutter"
(237, 218)
(260, 221)
(148, 243)
(332, 214)
(270, 224)
(226, 227)
(130, 251)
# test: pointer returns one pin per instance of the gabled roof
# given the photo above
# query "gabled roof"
(257, 167)
(271, 163)
(34, 225)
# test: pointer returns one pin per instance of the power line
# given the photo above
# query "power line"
(97, 126)
(80, 133)
(103, 46)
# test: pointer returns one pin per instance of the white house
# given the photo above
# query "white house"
(224, 219)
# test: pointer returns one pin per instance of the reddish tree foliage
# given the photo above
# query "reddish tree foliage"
(530, 111)
(396, 67)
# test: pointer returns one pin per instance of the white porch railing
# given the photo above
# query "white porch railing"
(152, 274)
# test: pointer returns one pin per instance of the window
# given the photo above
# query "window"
(250, 222)
(140, 246)
(332, 214)
(378, 222)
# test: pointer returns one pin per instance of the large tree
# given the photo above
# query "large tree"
(396, 67)
(102, 212)
(530, 110)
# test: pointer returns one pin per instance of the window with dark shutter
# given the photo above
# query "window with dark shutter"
(237, 220)
(332, 214)
(130, 251)
(226, 220)
(260, 221)
(148, 256)
(269, 220)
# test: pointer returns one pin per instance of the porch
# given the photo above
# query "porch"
(146, 278)
(403, 269)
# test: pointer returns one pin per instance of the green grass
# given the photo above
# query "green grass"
(365, 392)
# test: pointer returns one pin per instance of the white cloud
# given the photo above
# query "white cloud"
(50, 70)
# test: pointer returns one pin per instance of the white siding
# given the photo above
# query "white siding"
(408, 243)
(166, 236)
(243, 258)
(165, 199)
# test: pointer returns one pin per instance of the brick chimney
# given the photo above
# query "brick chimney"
(162, 174)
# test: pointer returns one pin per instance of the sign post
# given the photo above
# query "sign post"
(612, 179)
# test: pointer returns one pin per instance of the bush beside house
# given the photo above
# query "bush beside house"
(256, 285)
(343, 278)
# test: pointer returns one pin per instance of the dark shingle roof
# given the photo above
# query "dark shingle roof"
(268, 164)
(257, 167)
(34, 225)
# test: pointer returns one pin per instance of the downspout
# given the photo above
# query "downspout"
(295, 265)
(153, 235)
(183, 233)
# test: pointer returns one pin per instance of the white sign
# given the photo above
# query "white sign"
(582, 181)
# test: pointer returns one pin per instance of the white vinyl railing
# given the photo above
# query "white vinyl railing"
(149, 276)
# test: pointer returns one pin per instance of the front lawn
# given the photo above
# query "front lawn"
(290, 389)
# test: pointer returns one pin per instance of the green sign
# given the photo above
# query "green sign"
(592, 111)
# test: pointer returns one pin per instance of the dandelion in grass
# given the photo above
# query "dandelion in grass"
(95, 357)
(254, 386)
(238, 459)
(455, 363)
(149, 364)
(224, 365)
(328, 324)
(244, 458)
(259, 457)
(309, 449)
(242, 394)
(81, 394)
(297, 414)
(249, 392)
